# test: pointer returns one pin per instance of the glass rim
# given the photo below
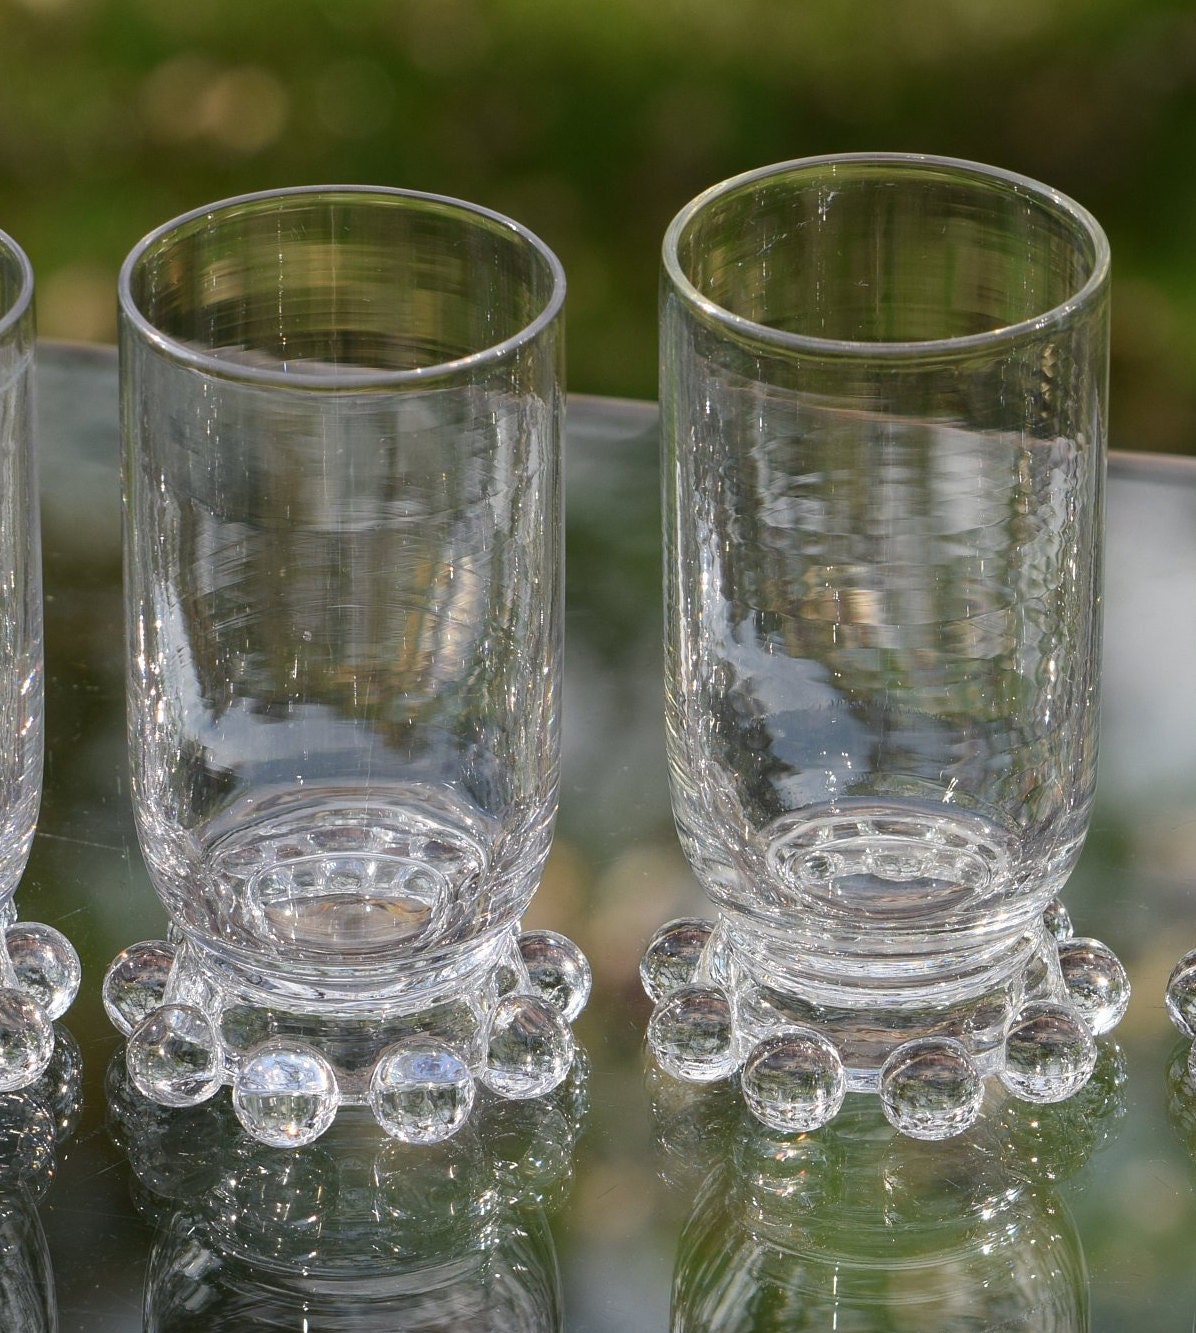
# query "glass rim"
(218, 368)
(23, 299)
(961, 170)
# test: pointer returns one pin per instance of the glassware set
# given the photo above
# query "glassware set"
(883, 404)
(883, 389)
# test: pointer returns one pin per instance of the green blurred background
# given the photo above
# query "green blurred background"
(593, 123)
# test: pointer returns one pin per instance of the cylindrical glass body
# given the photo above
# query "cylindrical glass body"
(883, 396)
(20, 575)
(342, 416)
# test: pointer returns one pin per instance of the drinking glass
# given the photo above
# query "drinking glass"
(883, 390)
(39, 970)
(342, 413)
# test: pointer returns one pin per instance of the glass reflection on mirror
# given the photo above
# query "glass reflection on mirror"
(356, 1231)
(33, 1122)
(862, 1230)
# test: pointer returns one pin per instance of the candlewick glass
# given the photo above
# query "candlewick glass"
(883, 403)
(342, 414)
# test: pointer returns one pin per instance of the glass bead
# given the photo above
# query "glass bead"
(557, 971)
(1049, 1052)
(529, 1047)
(46, 965)
(672, 956)
(135, 984)
(174, 1056)
(692, 1036)
(26, 1039)
(930, 1088)
(794, 1081)
(1057, 920)
(1181, 995)
(285, 1094)
(421, 1092)
(1096, 983)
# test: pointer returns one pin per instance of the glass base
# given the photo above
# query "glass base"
(39, 979)
(193, 1027)
(722, 1011)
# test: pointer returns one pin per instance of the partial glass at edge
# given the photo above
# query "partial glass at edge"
(342, 412)
(883, 388)
(20, 563)
(39, 969)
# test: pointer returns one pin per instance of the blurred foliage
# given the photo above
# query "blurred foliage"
(593, 123)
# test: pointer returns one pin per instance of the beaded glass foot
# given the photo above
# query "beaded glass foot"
(39, 978)
(290, 1069)
(714, 1016)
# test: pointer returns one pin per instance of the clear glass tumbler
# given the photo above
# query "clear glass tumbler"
(342, 412)
(39, 971)
(883, 392)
